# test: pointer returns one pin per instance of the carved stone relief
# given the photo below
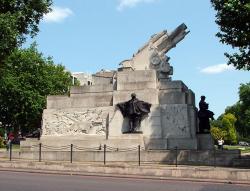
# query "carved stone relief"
(74, 122)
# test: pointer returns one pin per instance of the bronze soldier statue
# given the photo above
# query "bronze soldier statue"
(135, 110)
(204, 115)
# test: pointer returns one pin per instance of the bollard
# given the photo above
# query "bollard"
(176, 156)
(104, 153)
(40, 152)
(71, 153)
(10, 151)
(139, 155)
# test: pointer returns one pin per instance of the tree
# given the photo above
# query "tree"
(28, 78)
(218, 133)
(228, 124)
(241, 110)
(19, 18)
(233, 19)
(224, 127)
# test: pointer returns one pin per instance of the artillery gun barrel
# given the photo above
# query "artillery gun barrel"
(178, 34)
(166, 42)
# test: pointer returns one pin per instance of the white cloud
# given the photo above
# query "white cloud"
(216, 69)
(131, 3)
(58, 14)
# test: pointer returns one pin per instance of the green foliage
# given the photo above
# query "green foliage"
(1, 142)
(2, 132)
(19, 18)
(28, 78)
(218, 133)
(245, 139)
(228, 123)
(225, 129)
(233, 19)
(244, 93)
(241, 110)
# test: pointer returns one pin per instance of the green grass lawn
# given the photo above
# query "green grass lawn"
(244, 149)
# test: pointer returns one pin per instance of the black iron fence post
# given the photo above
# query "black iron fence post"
(107, 127)
(10, 151)
(214, 157)
(176, 156)
(104, 153)
(139, 155)
(71, 153)
(40, 152)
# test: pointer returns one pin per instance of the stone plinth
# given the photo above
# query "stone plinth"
(175, 121)
(184, 157)
(58, 102)
(87, 142)
(205, 141)
(80, 100)
(136, 80)
(101, 88)
(147, 95)
(172, 86)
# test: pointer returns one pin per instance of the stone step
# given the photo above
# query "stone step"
(241, 162)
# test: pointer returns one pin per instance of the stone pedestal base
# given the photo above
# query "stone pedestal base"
(89, 142)
(205, 142)
(155, 144)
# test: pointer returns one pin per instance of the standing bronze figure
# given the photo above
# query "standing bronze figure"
(204, 115)
(135, 110)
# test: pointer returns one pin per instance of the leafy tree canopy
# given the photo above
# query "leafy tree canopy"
(28, 78)
(19, 18)
(225, 128)
(233, 19)
(242, 110)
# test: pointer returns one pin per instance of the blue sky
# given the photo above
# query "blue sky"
(90, 35)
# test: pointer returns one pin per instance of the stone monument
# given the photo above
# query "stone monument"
(89, 116)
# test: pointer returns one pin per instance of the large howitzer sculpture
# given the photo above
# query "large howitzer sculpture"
(153, 54)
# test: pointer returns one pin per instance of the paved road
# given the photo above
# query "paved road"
(19, 181)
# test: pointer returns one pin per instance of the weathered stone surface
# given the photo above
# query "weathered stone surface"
(117, 125)
(92, 100)
(182, 143)
(172, 86)
(58, 102)
(205, 141)
(175, 121)
(73, 122)
(172, 97)
(155, 144)
(80, 100)
(191, 97)
(192, 116)
(136, 80)
(97, 80)
(101, 88)
(151, 125)
(147, 95)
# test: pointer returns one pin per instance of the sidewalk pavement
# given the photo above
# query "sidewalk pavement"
(131, 170)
